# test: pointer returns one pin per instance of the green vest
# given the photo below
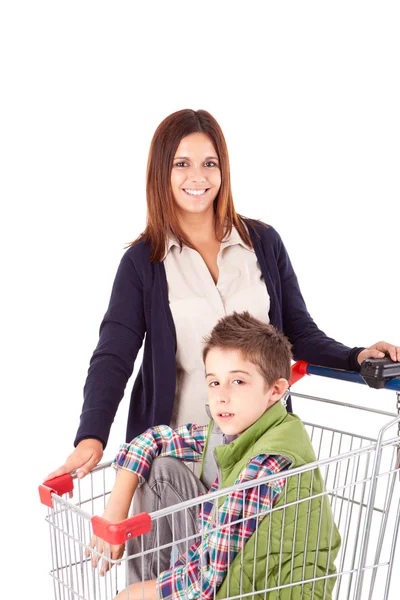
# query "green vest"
(292, 542)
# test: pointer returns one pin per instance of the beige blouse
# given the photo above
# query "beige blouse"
(197, 303)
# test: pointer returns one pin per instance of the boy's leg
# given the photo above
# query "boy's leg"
(170, 482)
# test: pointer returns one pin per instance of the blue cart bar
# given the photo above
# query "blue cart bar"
(352, 376)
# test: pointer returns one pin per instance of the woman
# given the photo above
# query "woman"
(196, 261)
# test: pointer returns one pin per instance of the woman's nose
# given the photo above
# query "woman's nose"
(197, 176)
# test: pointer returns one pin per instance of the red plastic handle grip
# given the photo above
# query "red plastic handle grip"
(59, 485)
(299, 369)
(119, 533)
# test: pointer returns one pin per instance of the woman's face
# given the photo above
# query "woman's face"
(195, 175)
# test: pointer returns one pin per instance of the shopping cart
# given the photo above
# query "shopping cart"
(362, 485)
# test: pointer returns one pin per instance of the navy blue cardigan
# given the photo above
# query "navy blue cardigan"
(139, 309)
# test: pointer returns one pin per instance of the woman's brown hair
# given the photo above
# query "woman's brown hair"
(162, 220)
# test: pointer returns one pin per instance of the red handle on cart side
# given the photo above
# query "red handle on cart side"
(119, 533)
(299, 369)
(59, 485)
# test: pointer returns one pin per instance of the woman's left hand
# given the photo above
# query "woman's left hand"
(379, 350)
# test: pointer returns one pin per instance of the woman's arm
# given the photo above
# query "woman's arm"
(121, 336)
(309, 342)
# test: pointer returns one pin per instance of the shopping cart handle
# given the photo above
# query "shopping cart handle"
(119, 533)
(373, 377)
(59, 485)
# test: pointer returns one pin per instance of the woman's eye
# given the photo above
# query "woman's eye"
(209, 163)
(238, 381)
(213, 383)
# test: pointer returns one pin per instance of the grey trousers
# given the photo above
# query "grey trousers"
(170, 482)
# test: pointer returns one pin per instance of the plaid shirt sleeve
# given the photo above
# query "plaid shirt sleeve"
(185, 442)
(200, 572)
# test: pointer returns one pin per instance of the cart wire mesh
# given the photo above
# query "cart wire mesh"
(361, 477)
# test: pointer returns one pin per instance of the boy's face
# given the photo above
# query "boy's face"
(237, 392)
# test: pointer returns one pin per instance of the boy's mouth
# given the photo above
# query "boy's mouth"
(225, 416)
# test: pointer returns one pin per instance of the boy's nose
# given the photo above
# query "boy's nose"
(223, 398)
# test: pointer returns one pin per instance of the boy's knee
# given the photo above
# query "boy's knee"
(164, 467)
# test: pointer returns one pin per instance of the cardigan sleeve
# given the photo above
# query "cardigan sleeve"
(121, 336)
(309, 342)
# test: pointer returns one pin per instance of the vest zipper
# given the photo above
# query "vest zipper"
(219, 472)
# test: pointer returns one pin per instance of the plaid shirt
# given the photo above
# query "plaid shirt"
(224, 531)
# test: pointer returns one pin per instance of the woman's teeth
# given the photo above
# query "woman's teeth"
(195, 192)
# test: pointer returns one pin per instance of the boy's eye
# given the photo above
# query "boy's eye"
(213, 384)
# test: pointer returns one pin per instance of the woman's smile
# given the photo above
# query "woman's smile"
(195, 192)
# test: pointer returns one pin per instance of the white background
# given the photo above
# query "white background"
(308, 96)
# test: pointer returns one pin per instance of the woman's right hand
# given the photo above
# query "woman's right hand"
(83, 459)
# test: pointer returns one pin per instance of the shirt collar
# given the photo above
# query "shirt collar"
(172, 241)
(233, 240)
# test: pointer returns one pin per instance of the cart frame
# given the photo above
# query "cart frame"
(359, 502)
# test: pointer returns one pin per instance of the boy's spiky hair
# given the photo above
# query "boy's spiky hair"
(260, 343)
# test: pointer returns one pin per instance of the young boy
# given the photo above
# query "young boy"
(250, 436)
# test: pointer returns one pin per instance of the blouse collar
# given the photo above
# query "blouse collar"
(233, 240)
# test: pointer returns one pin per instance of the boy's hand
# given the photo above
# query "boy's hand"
(111, 551)
(117, 510)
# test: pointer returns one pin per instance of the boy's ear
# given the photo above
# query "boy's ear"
(278, 389)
